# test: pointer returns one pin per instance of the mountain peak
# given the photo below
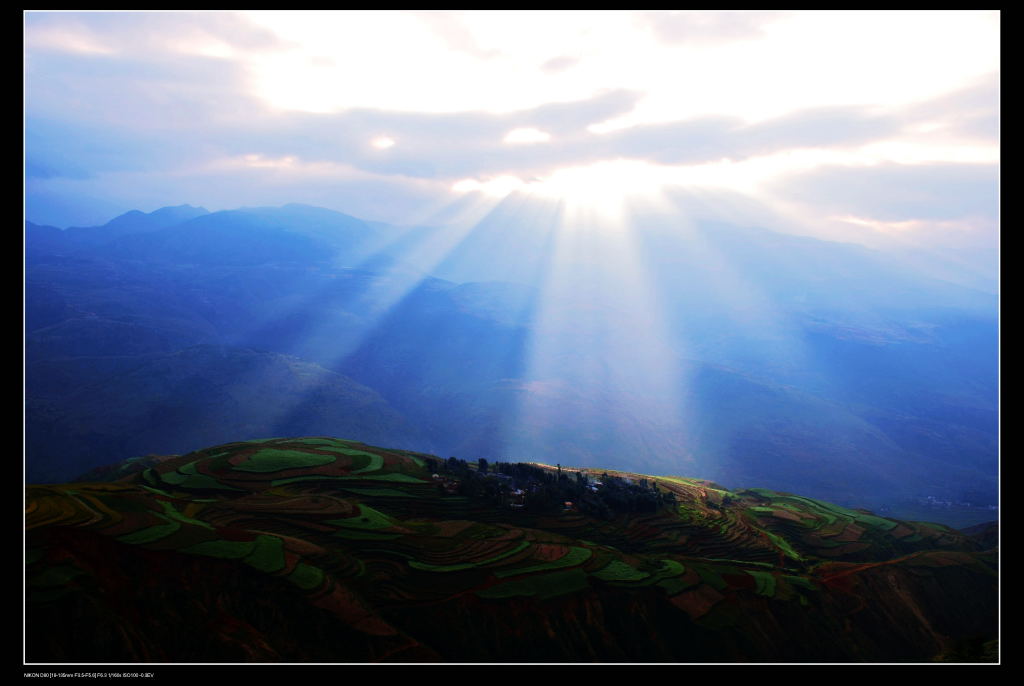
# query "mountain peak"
(136, 221)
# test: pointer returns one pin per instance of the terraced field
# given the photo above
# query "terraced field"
(321, 549)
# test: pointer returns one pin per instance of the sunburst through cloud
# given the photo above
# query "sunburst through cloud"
(685, 307)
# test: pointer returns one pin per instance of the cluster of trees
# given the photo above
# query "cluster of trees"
(541, 491)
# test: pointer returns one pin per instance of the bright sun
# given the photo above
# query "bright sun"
(600, 191)
(600, 195)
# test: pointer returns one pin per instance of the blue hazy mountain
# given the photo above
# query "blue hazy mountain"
(768, 360)
(133, 222)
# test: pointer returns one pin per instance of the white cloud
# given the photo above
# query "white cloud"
(707, 27)
(787, 107)
(67, 38)
(499, 186)
(896, 192)
(527, 135)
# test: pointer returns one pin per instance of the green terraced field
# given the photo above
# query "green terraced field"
(367, 541)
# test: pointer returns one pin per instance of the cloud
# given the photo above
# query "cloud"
(166, 126)
(455, 34)
(822, 126)
(116, 101)
(972, 112)
(228, 183)
(895, 193)
(428, 145)
(556, 65)
(143, 33)
(35, 169)
(526, 136)
(570, 117)
(158, 90)
(702, 26)
(468, 144)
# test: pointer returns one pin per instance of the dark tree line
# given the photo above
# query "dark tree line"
(541, 491)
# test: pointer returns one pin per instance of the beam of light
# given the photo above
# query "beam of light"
(596, 195)
(604, 354)
(715, 269)
(639, 286)
(332, 315)
(353, 299)
(600, 371)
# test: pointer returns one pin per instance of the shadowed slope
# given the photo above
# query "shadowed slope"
(86, 410)
(321, 549)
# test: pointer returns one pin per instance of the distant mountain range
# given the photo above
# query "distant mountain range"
(795, 364)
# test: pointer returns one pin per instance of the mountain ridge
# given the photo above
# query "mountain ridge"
(797, 362)
(327, 550)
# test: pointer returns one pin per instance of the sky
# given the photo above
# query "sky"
(878, 127)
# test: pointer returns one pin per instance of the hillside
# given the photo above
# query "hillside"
(782, 362)
(327, 550)
(84, 411)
